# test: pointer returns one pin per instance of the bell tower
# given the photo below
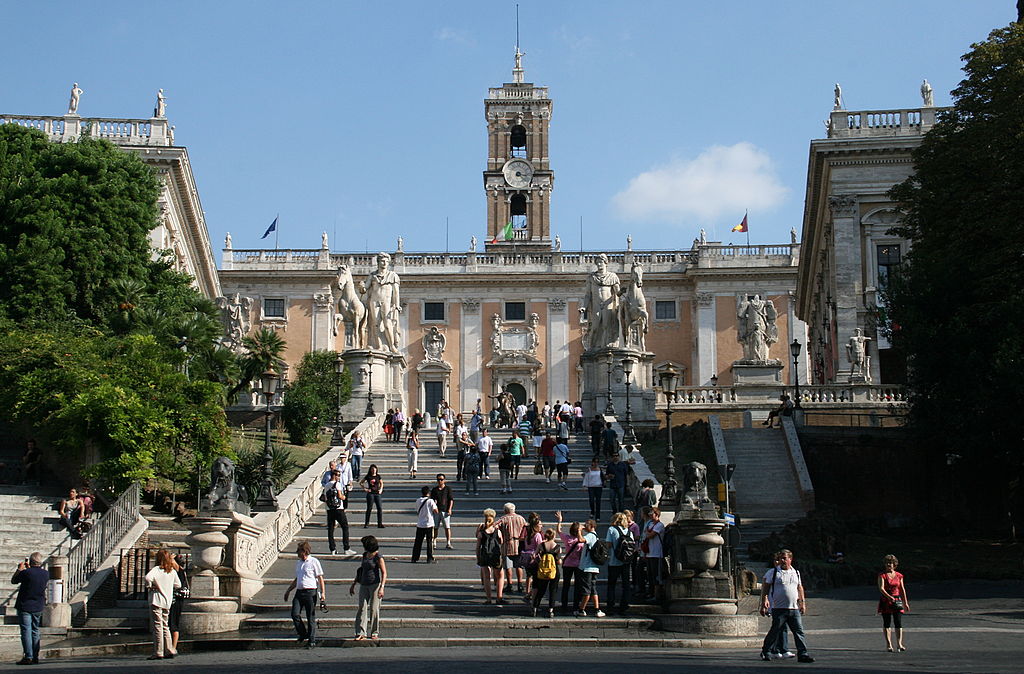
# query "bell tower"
(518, 178)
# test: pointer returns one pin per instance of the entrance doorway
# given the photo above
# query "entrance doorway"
(433, 394)
(518, 392)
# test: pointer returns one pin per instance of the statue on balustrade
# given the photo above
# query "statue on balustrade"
(601, 303)
(837, 104)
(472, 244)
(161, 104)
(927, 95)
(558, 244)
(756, 328)
(857, 355)
(225, 494)
(76, 93)
(383, 305)
(633, 315)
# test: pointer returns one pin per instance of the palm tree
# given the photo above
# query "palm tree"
(263, 353)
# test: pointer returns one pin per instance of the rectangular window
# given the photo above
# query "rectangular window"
(433, 311)
(273, 308)
(889, 258)
(665, 310)
(515, 311)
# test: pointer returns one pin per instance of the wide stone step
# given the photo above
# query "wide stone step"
(427, 608)
(476, 623)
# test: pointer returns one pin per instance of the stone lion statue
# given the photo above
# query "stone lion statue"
(225, 493)
(695, 482)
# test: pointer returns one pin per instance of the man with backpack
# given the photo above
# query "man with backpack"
(334, 498)
(594, 554)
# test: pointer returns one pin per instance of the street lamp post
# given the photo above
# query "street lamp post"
(629, 436)
(369, 392)
(267, 499)
(669, 376)
(609, 409)
(794, 350)
(338, 438)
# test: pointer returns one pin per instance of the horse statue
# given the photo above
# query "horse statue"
(350, 307)
(633, 315)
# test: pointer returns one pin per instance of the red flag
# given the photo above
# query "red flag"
(742, 227)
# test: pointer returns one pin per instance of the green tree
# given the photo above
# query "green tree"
(264, 352)
(955, 307)
(74, 219)
(310, 401)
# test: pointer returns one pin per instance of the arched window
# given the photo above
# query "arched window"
(517, 141)
(517, 209)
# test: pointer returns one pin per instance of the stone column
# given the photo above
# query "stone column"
(845, 229)
(471, 353)
(559, 367)
(323, 321)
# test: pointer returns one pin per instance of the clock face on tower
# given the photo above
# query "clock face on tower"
(518, 173)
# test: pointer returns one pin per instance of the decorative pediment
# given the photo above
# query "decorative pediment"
(515, 340)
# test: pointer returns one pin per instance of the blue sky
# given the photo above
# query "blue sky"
(366, 119)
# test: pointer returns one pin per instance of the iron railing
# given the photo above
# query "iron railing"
(100, 542)
(136, 563)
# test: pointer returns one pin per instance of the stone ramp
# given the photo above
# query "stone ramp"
(768, 495)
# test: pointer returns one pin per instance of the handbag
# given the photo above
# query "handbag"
(897, 604)
(538, 468)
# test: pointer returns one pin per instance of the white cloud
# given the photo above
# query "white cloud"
(721, 181)
(448, 34)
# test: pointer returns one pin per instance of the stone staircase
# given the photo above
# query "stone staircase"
(29, 523)
(768, 495)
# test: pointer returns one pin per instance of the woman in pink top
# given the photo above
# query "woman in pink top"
(532, 537)
(574, 543)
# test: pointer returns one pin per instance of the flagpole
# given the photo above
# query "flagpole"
(745, 214)
(277, 230)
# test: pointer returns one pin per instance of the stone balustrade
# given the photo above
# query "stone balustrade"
(705, 256)
(768, 396)
(68, 128)
(518, 93)
(867, 123)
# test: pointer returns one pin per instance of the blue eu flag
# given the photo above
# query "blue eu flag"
(270, 229)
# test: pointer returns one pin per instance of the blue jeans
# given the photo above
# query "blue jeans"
(785, 617)
(304, 601)
(30, 623)
(618, 498)
(485, 464)
(357, 460)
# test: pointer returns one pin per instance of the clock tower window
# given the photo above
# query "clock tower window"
(517, 141)
(517, 210)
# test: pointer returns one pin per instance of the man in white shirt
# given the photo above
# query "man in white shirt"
(484, 443)
(345, 469)
(782, 594)
(520, 412)
(426, 508)
(309, 575)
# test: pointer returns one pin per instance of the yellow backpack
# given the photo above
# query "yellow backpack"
(547, 567)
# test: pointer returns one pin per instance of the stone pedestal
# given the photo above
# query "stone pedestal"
(210, 608)
(386, 381)
(757, 373)
(641, 386)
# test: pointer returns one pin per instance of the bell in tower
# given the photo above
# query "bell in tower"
(518, 178)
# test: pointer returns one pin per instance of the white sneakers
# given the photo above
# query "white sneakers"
(350, 552)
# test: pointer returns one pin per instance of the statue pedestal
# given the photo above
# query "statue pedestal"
(641, 386)
(379, 369)
(214, 605)
(748, 376)
(700, 594)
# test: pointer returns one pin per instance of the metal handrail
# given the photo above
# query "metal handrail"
(102, 539)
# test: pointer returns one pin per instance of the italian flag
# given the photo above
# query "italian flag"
(504, 235)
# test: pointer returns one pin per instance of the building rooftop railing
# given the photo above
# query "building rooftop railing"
(700, 256)
(121, 131)
(881, 123)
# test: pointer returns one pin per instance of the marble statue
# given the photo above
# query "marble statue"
(235, 317)
(695, 484)
(857, 354)
(472, 244)
(633, 315)
(323, 241)
(756, 329)
(792, 234)
(703, 237)
(629, 242)
(433, 345)
(76, 93)
(400, 244)
(227, 240)
(496, 333)
(558, 244)
(350, 309)
(838, 103)
(225, 494)
(161, 104)
(927, 95)
(601, 302)
(383, 305)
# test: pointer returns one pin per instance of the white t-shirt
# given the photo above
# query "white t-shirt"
(784, 593)
(484, 444)
(520, 411)
(346, 474)
(593, 478)
(306, 572)
(162, 584)
(654, 544)
(355, 447)
(566, 409)
(460, 429)
(425, 513)
(442, 426)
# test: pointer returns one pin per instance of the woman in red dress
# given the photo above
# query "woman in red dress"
(893, 602)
